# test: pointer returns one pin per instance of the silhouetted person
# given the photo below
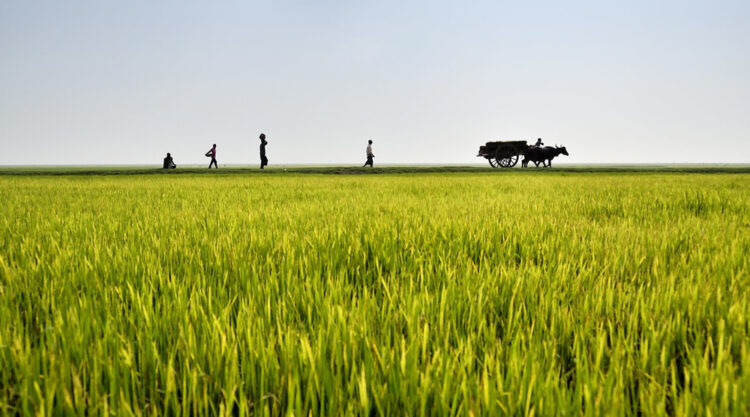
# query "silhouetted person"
(370, 155)
(538, 143)
(168, 162)
(263, 143)
(212, 154)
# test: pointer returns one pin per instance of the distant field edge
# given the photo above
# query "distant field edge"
(356, 170)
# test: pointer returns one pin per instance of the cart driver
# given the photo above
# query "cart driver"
(538, 143)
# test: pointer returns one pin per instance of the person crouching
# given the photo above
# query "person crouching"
(168, 162)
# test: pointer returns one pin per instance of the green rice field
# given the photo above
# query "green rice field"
(416, 293)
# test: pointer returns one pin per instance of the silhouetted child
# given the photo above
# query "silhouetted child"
(263, 143)
(212, 154)
(370, 155)
(168, 162)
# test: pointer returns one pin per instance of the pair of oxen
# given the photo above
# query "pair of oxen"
(542, 155)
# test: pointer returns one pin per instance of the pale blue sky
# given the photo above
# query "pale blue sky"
(124, 82)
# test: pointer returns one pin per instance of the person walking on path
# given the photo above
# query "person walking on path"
(169, 162)
(263, 143)
(212, 154)
(370, 155)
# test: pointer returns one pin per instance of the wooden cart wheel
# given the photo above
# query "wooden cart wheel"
(492, 162)
(506, 157)
(508, 162)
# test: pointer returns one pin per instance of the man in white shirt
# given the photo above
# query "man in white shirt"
(370, 155)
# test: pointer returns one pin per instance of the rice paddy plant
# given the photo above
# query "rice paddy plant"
(419, 294)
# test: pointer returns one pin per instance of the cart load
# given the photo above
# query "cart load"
(503, 154)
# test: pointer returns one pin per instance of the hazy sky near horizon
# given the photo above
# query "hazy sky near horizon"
(124, 82)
